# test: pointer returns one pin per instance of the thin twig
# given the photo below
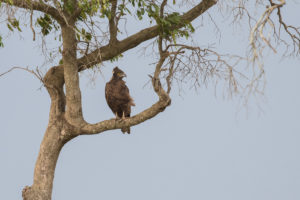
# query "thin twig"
(31, 26)
(36, 73)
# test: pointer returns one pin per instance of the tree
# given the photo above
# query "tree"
(85, 45)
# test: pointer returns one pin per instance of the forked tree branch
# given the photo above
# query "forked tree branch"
(106, 52)
(293, 32)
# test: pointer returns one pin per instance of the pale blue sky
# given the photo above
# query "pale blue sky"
(201, 147)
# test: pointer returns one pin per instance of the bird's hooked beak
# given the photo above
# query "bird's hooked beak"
(123, 75)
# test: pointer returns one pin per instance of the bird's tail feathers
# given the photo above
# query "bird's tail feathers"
(125, 130)
(131, 102)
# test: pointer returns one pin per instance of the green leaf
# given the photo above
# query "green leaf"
(13, 24)
(46, 23)
(9, 27)
(116, 58)
(88, 36)
(78, 36)
(190, 26)
(174, 37)
(1, 43)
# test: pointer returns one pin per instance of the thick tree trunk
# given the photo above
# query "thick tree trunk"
(45, 165)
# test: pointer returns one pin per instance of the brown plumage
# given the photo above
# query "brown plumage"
(118, 98)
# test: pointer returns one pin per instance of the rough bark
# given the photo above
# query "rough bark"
(71, 77)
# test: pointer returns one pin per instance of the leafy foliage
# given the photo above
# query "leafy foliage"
(91, 8)
(47, 24)
(169, 23)
(87, 36)
(13, 24)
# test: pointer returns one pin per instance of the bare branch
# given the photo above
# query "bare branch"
(36, 73)
(260, 25)
(292, 31)
(37, 5)
(199, 66)
(265, 22)
(31, 26)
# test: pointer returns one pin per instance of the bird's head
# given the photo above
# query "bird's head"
(117, 73)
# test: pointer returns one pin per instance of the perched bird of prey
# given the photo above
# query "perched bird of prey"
(118, 98)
